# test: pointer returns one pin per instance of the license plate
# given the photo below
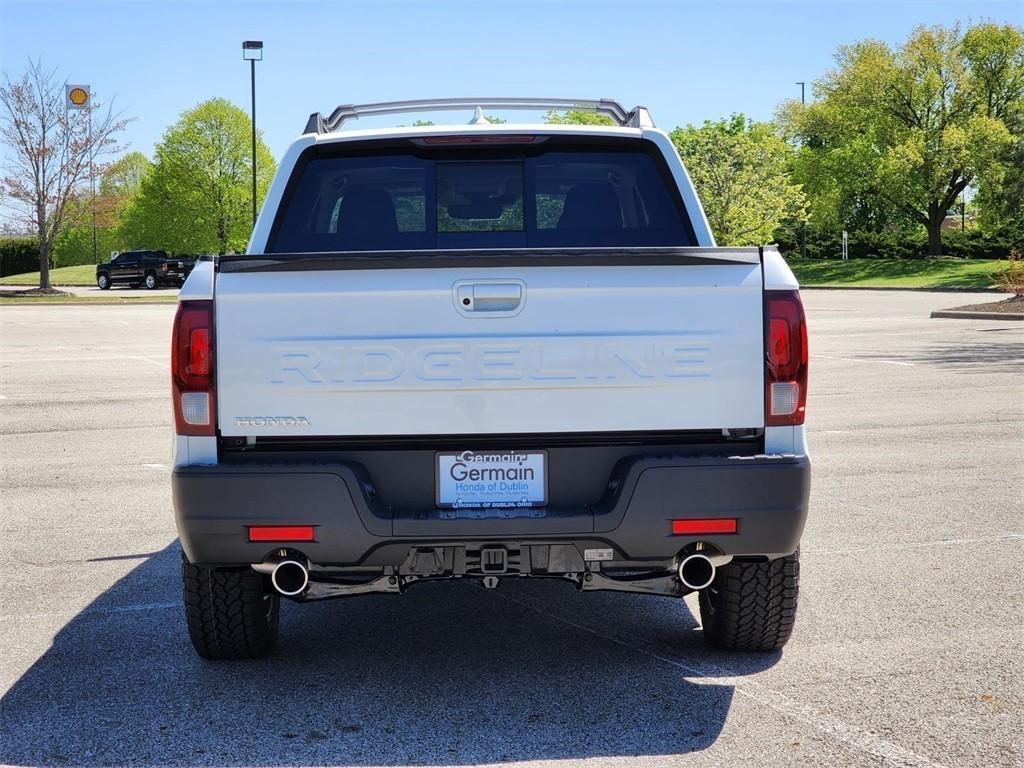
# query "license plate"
(492, 479)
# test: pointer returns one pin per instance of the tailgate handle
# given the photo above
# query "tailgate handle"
(489, 297)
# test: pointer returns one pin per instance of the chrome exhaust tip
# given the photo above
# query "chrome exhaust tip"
(696, 572)
(290, 577)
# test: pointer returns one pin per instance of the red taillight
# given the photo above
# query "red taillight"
(706, 525)
(192, 369)
(280, 533)
(199, 352)
(785, 376)
(778, 341)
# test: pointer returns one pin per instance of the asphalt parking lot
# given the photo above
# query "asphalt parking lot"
(907, 650)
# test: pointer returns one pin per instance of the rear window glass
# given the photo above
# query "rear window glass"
(541, 197)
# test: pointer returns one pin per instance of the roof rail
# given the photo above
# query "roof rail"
(638, 117)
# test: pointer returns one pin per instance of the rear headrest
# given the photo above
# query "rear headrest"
(591, 206)
(366, 211)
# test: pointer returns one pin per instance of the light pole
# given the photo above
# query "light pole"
(803, 224)
(80, 97)
(252, 51)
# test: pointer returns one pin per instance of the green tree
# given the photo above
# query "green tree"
(118, 186)
(905, 131)
(998, 54)
(196, 198)
(74, 244)
(740, 170)
(576, 117)
(122, 179)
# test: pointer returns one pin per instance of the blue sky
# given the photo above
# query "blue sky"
(686, 61)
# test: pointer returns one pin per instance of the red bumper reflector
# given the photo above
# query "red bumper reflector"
(280, 533)
(707, 525)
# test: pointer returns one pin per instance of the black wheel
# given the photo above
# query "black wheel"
(103, 281)
(751, 606)
(151, 282)
(231, 613)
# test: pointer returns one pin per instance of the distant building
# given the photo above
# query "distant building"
(952, 221)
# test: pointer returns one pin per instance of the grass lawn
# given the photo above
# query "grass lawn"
(83, 274)
(897, 273)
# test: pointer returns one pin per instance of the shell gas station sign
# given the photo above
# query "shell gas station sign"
(78, 96)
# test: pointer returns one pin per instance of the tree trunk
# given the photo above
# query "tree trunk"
(44, 262)
(935, 238)
(934, 226)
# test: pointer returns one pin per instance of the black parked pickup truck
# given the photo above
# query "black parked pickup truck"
(149, 268)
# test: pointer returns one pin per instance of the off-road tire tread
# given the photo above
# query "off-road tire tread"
(225, 612)
(755, 607)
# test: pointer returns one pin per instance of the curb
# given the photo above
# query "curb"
(897, 288)
(31, 301)
(18, 286)
(968, 315)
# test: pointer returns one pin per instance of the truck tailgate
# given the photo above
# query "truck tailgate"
(438, 350)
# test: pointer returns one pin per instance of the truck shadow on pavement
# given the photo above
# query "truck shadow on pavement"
(993, 353)
(449, 674)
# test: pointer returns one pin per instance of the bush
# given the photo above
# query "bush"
(977, 244)
(18, 255)
(861, 245)
(970, 244)
(1011, 279)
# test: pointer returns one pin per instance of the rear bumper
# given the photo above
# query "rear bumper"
(215, 504)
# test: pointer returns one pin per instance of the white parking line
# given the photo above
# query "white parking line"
(865, 360)
(148, 360)
(133, 608)
(71, 359)
(915, 545)
(156, 466)
(868, 743)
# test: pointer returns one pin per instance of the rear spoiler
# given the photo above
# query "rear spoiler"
(638, 117)
(494, 257)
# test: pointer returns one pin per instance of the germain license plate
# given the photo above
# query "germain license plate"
(492, 479)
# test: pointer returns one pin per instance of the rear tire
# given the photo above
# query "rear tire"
(751, 606)
(103, 281)
(231, 613)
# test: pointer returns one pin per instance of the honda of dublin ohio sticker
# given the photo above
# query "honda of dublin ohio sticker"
(489, 479)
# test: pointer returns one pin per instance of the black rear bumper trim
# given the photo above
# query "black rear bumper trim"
(214, 504)
(748, 445)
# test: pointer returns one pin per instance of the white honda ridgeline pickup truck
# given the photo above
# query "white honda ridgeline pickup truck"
(482, 352)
